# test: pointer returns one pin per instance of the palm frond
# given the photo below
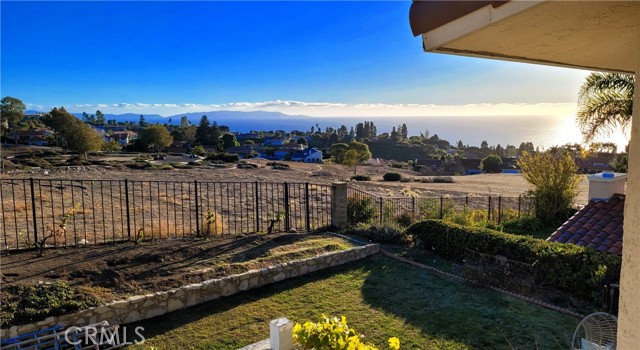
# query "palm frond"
(605, 103)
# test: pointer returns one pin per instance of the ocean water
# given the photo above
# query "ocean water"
(542, 131)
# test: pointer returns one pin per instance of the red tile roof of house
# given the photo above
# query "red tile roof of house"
(598, 225)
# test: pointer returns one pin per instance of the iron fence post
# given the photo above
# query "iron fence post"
(413, 207)
(519, 198)
(126, 200)
(489, 208)
(257, 207)
(441, 207)
(307, 206)
(381, 212)
(286, 207)
(195, 186)
(33, 210)
(499, 209)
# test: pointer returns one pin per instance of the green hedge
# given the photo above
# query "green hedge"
(578, 270)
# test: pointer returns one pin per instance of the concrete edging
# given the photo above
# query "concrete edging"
(141, 307)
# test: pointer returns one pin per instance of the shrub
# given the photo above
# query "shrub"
(23, 304)
(443, 179)
(578, 270)
(139, 165)
(405, 219)
(391, 177)
(247, 166)
(333, 334)
(553, 176)
(361, 178)
(521, 225)
(397, 166)
(491, 164)
(360, 209)
(387, 233)
(225, 157)
(37, 162)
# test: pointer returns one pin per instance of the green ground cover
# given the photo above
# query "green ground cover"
(381, 298)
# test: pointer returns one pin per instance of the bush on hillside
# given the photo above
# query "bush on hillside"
(225, 157)
(391, 177)
(361, 178)
(578, 270)
(443, 179)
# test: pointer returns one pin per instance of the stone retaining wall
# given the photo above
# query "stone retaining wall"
(151, 305)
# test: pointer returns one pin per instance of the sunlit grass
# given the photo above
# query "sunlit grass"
(381, 298)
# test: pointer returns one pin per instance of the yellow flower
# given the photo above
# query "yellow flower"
(394, 343)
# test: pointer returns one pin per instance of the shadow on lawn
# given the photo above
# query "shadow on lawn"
(387, 298)
(445, 308)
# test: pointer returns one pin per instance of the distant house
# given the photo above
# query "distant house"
(595, 164)
(34, 137)
(114, 128)
(375, 162)
(274, 141)
(434, 164)
(123, 137)
(177, 147)
(309, 155)
(285, 151)
(246, 151)
(471, 166)
(247, 136)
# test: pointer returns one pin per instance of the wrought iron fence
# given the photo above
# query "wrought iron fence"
(365, 206)
(100, 211)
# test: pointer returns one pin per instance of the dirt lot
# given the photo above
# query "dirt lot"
(125, 269)
(483, 185)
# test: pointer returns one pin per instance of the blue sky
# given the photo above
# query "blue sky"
(316, 58)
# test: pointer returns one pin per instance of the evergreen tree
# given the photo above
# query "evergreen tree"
(202, 132)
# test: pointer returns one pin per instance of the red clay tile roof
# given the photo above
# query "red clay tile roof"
(598, 225)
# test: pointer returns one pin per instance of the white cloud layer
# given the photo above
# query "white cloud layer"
(328, 109)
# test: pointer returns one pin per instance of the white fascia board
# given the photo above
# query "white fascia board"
(473, 22)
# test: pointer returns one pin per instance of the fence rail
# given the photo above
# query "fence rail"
(365, 206)
(100, 211)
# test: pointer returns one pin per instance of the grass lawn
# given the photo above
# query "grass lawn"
(381, 298)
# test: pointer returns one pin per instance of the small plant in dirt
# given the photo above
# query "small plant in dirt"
(360, 210)
(405, 219)
(51, 232)
(361, 178)
(273, 220)
(210, 221)
(23, 304)
(138, 236)
(392, 177)
(333, 333)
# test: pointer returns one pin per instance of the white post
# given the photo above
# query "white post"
(281, 334)
(629, 310)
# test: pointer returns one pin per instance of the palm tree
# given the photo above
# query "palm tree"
(605, 102)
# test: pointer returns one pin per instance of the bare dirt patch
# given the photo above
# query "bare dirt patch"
(114, 271)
